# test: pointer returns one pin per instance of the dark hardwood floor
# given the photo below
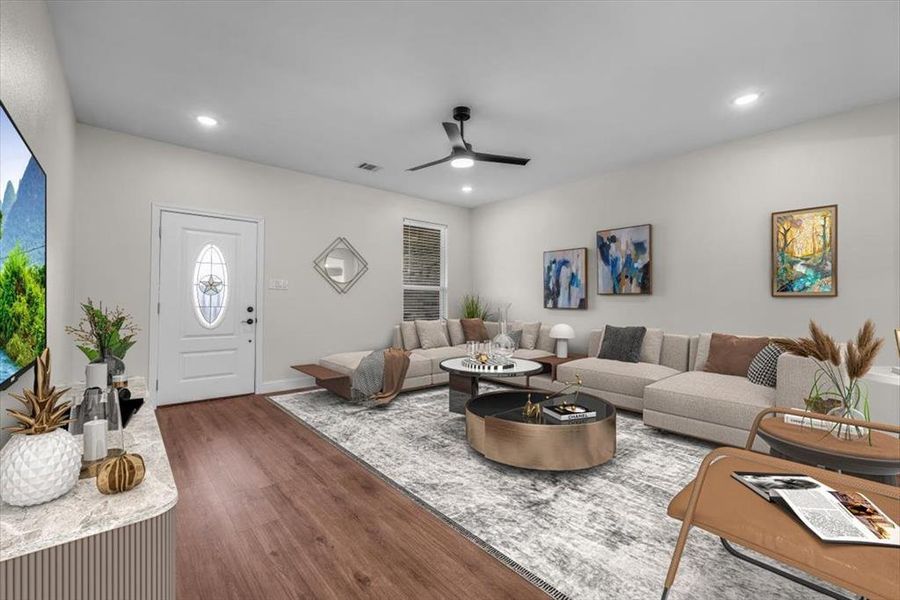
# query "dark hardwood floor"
(269, 510)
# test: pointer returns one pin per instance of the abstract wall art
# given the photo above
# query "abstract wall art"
(565, 278)
(804, 252)
(623, 260)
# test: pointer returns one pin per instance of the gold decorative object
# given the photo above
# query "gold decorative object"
(531, 410)
(44, 415)
(120, 474)
(483, 358)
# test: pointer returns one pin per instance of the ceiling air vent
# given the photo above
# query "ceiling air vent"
(368, 167)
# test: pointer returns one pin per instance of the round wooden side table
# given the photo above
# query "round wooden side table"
(879, 461)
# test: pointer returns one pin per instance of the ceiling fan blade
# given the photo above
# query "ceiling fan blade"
(432, 163)
(497, 158)
(455, 136)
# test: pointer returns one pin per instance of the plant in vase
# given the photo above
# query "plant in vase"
(474, 308)
(837, 385)
(41, 461)
(104, 334)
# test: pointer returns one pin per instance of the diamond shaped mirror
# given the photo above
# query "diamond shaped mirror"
(341, 265)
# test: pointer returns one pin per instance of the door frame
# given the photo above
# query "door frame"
(157, 211)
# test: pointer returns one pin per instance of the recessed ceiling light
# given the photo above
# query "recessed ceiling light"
(463, 162)
(466, 189)
(207, 121)
(746, 99)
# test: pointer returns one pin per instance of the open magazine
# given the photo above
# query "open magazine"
(847, 517)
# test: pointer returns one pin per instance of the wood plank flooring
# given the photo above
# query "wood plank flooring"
(269, 510)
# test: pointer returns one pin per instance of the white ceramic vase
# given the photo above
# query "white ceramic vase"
(38, 468)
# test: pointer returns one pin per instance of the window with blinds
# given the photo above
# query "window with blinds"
(424, 271)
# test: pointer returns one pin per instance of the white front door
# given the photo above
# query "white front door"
(207, 307)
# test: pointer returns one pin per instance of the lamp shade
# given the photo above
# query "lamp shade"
(561, 331)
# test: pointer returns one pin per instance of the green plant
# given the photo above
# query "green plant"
(474, 308)
(22, 300)
(837, 382)
(102, 330)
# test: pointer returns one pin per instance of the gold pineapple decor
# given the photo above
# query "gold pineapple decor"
(42, 461)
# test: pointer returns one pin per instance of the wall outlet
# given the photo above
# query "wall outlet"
(278, 284)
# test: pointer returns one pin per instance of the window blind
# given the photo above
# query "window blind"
(423, 272)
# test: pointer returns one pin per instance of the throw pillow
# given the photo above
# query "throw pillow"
(457, 336)
(516, 337)
(764, 366)
(651, 347)
(409, 335)
(473, 330)
(544, 341)
(622, 343)
(731, 355)
(432, 334)
(530, 333)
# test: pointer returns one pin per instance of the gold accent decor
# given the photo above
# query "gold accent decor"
(120, 474)
(43, 415)
(90, 469)
(532, 410)
(483, 358)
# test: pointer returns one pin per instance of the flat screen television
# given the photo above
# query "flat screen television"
(23, 253)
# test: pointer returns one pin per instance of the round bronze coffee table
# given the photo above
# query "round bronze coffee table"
(497, 428)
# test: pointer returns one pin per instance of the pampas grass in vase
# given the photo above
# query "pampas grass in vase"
(837, 380)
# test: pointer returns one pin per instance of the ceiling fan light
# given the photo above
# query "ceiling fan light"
(462, 162)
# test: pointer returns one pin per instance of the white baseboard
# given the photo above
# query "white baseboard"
(281, 385)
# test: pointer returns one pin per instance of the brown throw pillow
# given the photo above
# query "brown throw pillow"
(474, 330)
(732, 355)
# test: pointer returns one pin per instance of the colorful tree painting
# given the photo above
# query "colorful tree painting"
(804, 252)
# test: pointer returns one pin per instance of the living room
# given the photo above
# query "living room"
(333, 359)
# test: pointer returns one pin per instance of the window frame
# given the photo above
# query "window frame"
(443, 287)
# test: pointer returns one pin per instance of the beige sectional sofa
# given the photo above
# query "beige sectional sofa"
(424, 364)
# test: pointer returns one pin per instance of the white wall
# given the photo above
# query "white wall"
(710, 212)
(119, 176)
(33, 88)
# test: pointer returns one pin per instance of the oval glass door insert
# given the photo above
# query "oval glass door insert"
(210, 286)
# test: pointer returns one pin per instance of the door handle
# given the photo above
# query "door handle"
(248, 321)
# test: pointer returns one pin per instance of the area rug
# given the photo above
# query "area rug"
(601, 533)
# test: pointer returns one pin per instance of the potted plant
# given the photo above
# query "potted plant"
(104, 335)
(838, 382)
(474, 308)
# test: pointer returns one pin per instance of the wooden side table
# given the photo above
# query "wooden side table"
(551, 362)
(878, 460)
(331, 380)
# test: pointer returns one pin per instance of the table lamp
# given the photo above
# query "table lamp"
(562, 333)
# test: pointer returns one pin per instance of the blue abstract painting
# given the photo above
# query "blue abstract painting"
(565, 278)
(623, 260)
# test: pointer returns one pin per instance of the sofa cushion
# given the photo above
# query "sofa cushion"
(710, 397)
(432, 334)
(436, 355)
(347, 362)
(530, 333)
(474, 330)
(613, 375)
(764, 366)
(651, 347)
(457, 336)
(622, 343)
(732, 355)
(526, 354)
(409, 335)
(493, 328)
(544, 341)
(516, 337)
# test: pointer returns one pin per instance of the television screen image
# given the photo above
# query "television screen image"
(23, 257)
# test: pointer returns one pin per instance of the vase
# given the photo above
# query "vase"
(503, 344)
(38, 468)
(844, 431)
(114, 365)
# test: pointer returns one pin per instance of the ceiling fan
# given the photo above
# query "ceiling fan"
(462, 155)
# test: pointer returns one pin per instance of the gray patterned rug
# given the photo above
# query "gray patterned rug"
(599, 533)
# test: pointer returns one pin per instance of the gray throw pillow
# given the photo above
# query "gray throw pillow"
(764, 366)
(432, 334)
(622, 343)
(457, 336)
(409, 335)
(516, 337)
(530, 333)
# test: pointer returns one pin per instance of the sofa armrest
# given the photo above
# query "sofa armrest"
(595, 337)
(795, 378)
(397, 338)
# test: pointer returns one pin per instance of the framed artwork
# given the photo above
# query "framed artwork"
(565, 278)
(623, 260)
(804, 252)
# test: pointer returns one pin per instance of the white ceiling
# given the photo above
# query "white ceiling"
(579, 87)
